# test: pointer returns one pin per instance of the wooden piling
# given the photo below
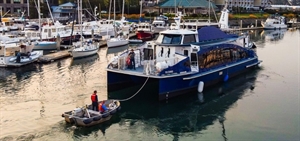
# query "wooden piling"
(241, 24)
(92, 34)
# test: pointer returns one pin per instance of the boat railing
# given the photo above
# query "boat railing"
(153, 67)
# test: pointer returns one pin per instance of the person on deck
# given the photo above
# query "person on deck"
(94, 99)
(132, 61)
(18, 60)
(102, 108)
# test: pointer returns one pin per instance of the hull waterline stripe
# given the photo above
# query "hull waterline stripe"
(213, 71)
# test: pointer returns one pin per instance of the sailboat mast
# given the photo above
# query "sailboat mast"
(123, 9)
(109, 11)
(114, 11)
(80, 9)
(209, 11)
(39, 13)
(175, 7)
(141, 6)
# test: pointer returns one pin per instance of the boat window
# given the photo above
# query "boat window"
(218, 57)
(148, 54)
(53, 30)
(189, 39)
(186, 52)
(45, 30)
(171, 39)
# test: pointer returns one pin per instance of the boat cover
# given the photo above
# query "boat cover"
(208, 33)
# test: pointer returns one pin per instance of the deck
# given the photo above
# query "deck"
(54, 56)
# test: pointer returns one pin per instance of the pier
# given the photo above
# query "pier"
(54, 56)
(66, 53)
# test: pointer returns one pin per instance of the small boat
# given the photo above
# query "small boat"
(144, 31)
(274, 22)
(160, 23)
(85, 116)
(116, 42)
(44, 45)
(16, 54)
(84, 49)
(135, 41)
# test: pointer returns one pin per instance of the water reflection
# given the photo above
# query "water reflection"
(273, 35)
(190, 113)
(86, 60)
(80, 132)
(14, 79)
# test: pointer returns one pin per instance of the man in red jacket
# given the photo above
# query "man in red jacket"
(94, 99)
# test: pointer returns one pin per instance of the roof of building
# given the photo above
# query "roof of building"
(187, 3)
(59, 9)
(56, 9)
(67, 4)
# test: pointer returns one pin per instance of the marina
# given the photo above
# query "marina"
(221, 111)
(179, 79)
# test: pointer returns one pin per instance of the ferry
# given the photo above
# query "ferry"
(179, 60)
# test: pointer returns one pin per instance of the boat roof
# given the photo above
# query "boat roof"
(178, 32)
(144, 24)
(213, 33)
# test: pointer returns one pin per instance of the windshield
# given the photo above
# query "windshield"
(171, 39)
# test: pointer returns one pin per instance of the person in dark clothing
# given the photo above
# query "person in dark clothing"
(18, 60)
(94, 99)
(132, 61)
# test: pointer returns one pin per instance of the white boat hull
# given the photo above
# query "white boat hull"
(280, 26)
(116, 43)
(10, 61)
(159, 29)
(45, 45)
(84, 53)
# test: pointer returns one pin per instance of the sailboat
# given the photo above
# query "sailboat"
(83, 48)
(123, 23)
(119, 40)
(40, 44)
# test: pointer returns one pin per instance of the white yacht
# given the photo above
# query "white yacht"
(159, 24)
(274, 22)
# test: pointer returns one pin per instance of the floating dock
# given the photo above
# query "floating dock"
(54, 56)
(241, 29)
(65, 53)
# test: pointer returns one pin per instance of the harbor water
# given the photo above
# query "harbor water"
(263, 104)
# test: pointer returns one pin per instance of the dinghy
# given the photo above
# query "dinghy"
(85, 116)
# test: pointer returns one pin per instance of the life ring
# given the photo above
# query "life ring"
(97, 118)
(87, 121)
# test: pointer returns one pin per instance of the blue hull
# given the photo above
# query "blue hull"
(174, 86)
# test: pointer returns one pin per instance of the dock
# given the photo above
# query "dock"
(242, 29)
(54, 56)
(65, 53)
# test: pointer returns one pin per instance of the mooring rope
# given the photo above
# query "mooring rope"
(135, 93)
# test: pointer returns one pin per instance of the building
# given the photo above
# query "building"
(187, 6)
(246, 4)
(63, 11)
(14, 7)
(284, 7)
